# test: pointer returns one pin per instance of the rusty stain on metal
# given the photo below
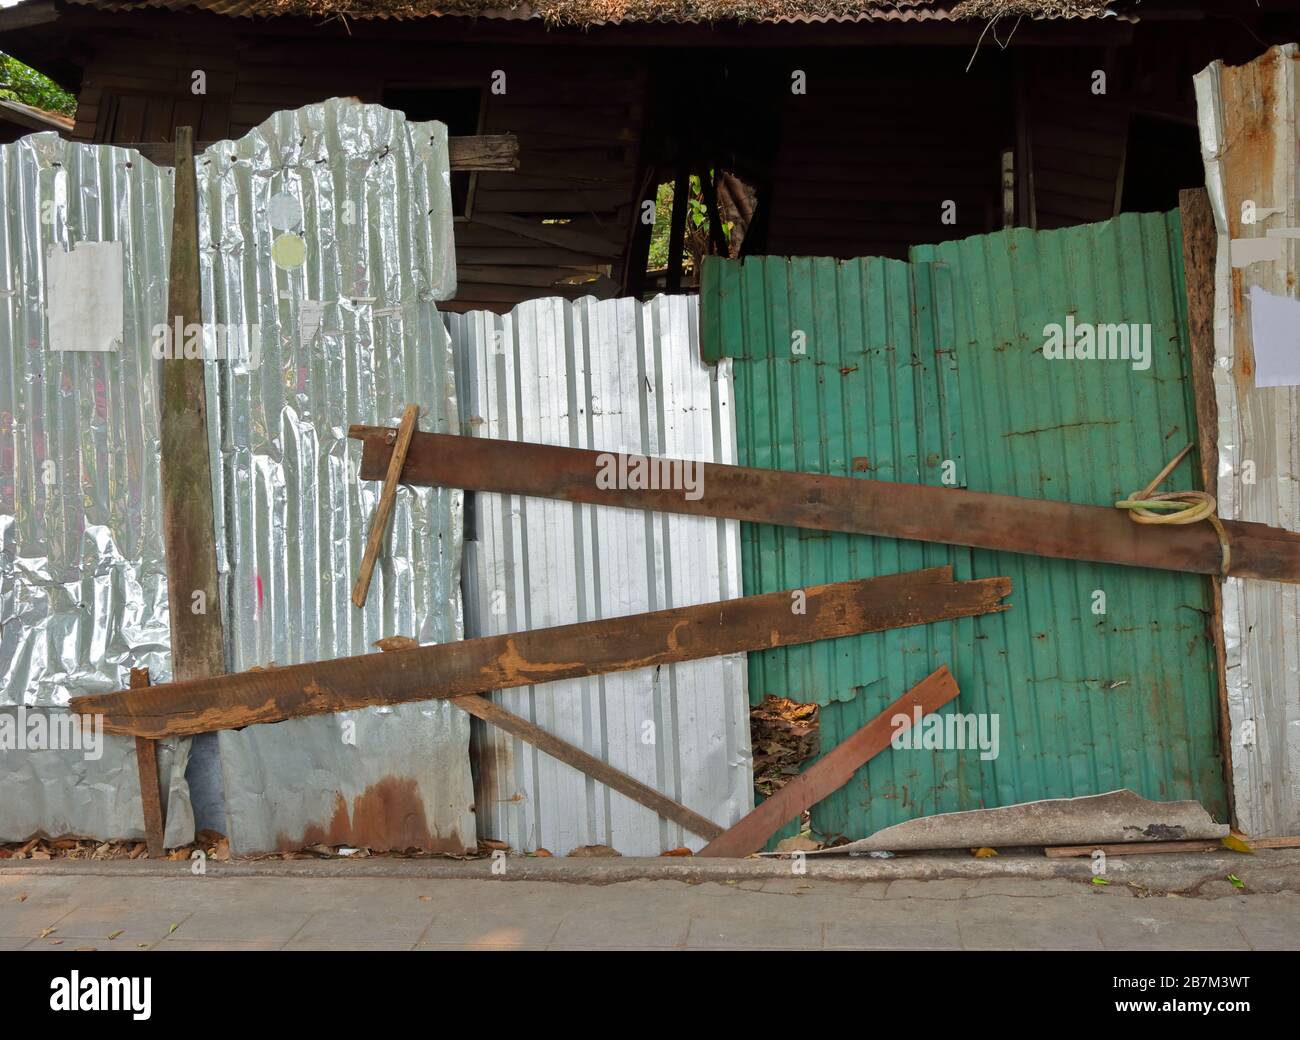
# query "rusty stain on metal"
(387, 815)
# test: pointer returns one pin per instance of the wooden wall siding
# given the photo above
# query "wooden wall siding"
(869, 154)
(1077, 139)
(559, 226)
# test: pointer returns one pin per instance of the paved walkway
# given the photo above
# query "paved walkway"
(302, 913)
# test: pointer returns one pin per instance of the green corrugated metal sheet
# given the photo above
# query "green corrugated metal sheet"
(1086, 703)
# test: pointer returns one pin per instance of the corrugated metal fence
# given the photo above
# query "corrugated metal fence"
(941, 360)
(620, 376)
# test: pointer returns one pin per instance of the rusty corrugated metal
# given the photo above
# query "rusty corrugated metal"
(1249, 118)
(1086, 703)
(616, 375)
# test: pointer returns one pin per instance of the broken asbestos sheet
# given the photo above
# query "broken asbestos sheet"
(1111, 818)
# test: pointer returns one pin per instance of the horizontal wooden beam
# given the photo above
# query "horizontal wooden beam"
(485, 152)
(831, 772)
(877, 507)
(547, 654)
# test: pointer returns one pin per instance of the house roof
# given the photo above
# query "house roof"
(585, 13)
(32, 118)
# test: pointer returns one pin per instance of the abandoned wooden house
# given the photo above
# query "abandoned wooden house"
(829, 127)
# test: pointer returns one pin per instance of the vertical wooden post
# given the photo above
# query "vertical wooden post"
(1200, 252)
(709, 188)
(189, 534)
(198, 645)
(146, 759)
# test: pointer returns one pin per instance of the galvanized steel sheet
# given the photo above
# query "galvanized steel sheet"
(329, 230)
(620, 376)
(83, 582)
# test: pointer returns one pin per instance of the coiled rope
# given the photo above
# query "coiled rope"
(1176, 507)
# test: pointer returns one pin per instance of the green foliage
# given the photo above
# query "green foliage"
(20, 83)
(697, 217)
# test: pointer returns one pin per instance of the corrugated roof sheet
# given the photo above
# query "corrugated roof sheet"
(1086, 703)
(589, 13)
(615, 375)
(1249, 117)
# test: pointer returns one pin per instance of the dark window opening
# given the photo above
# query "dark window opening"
(1162, 158)
(460, 108)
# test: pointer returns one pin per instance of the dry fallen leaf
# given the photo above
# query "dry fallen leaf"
(984, 853)
(681, 851)
(114, 935)
(46, 931)
(1237, 844)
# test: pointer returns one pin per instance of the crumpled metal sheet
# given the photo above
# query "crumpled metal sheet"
(1248, 119)
(83, 586)
(64, 794)
(615, 375)
(351, 334)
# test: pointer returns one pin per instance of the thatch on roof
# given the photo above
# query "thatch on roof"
(596, 12)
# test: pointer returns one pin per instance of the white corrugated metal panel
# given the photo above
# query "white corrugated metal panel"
(1249, 117)
(329, 229)
(615, 375)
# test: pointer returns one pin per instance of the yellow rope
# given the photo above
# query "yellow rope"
(1176, 507)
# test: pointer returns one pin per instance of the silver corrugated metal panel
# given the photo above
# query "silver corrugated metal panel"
(83, 587)
(348, 333)
(623, 376)
(1249, 116)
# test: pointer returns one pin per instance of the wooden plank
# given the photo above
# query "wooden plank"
(189, 532)
(467, 154)
(1200, 247)
(551, 234)
(1134, 848)
(484, 152)
(489, 711)
(1100, 534)
(831, 772)
(544, 655)
(146, 760)
(384, 507)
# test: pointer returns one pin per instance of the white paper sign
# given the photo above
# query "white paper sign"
(1275, 334)
(83, 296)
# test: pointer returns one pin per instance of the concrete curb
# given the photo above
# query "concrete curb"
(1268, 870)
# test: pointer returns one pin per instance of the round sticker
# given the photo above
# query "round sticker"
(284, 211)
(289, 251)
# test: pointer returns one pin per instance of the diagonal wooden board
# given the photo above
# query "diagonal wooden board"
(831, 772)
(384, 507)
(543, 655)
(814, 501)
(489, 711)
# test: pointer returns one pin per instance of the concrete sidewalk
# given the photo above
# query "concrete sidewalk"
(61, 911)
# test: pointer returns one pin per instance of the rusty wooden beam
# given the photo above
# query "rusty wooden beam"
(146, 760)
(544, 655)
(384, 507)
(877, 507)
(189, 532)
(831, 772)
